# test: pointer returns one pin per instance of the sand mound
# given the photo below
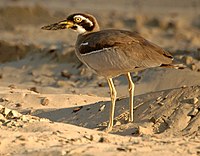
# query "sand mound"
(174, 112)
(58, 127)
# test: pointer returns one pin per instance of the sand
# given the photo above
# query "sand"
(51, 104)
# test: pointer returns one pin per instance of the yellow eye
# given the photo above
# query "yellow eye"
(77, 19)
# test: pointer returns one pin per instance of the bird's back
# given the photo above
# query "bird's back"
(113, 52)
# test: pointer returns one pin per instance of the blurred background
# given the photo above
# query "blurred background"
(44, 61)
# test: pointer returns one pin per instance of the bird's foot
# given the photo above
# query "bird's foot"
(130, 119)
(108, 129)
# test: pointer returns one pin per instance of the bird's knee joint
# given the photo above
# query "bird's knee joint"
(113, 94)
(131, 87)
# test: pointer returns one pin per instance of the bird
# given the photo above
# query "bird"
(112, 52)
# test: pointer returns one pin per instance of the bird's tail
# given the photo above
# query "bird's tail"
(175, 66)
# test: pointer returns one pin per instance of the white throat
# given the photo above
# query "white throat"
(80, 29)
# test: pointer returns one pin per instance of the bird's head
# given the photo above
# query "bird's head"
(79, 22)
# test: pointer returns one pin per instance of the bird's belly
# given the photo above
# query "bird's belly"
(109, 62)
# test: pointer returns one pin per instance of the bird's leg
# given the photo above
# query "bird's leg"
(113, 95)
(131, 94)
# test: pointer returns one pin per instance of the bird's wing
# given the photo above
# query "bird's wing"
(134, 48)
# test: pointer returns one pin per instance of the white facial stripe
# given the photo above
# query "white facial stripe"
(97, 51)
(84, 18)
(80, 29)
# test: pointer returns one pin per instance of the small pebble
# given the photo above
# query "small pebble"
(123, 149)
(24, 118)
(66, 74)
(104, 124)
(194, 100)
(102, 108)
(1, 100)
(104, 140)
(101, 84)
(77, 109)
(18, 105)
(188, 60)
(193, 112)
(6, 111)
(88, 108)
(45, 102)
(161, 103)
(14, 114)
(22, 138)
(12, 86)
(2, 118)
(184, 86)
(89, 137)
(34, 89)
(118, 123)
(159, 99)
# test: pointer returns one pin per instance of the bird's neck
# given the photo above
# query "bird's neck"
(88, 32)
(96, 27)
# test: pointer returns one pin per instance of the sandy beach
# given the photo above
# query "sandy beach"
(51, 104)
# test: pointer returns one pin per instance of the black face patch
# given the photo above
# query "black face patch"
(85, 24)
(74, 27)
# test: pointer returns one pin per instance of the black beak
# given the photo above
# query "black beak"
(60, 25)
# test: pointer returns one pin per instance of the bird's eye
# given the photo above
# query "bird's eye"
(77, 19)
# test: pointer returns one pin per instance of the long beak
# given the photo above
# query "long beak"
(60, 25)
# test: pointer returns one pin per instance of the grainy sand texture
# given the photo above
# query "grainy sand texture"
(51, 104)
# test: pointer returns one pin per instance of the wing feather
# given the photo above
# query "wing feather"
(136, 50)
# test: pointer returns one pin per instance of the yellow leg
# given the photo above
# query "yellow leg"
(131, 94)
(113, 95)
